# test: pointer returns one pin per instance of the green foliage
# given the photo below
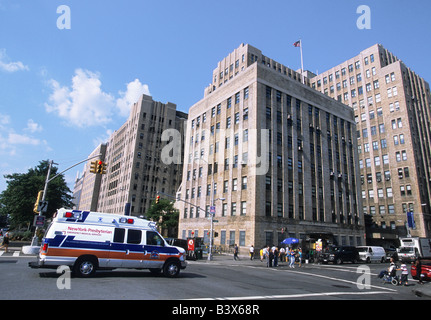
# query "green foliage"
(18, 199)
(165, 215)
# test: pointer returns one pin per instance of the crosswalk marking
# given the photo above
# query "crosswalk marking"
(14, 253)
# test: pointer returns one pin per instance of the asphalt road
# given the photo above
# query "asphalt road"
(220, 279)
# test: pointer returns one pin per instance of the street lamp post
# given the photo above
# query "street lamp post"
(212, 211)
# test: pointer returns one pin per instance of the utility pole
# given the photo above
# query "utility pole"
(34, 242)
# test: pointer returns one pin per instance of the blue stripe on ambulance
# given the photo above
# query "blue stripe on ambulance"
(70, 243)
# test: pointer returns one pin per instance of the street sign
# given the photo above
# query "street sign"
(212, 209)
(191, 245)
(38, 221)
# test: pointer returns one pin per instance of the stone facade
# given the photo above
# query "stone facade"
(393, 116)
(135, 170)
(277, 158)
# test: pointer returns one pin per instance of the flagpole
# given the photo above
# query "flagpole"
(302, 62)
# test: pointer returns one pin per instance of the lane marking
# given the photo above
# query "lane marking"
(292, 296)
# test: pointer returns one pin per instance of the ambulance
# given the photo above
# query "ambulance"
(88, 241)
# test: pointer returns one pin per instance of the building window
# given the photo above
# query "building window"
(242, 238)
(234, 184)
(243, 208)
(237, 96)
(244, 183)
(233, 209)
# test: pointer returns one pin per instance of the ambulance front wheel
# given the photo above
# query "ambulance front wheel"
(171, 269)
(85, 266)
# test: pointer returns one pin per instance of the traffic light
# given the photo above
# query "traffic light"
(157, 199)
(93, 166)
(38, 199)
(99, 168)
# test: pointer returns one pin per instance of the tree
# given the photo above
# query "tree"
(165, 215)
(17, 201)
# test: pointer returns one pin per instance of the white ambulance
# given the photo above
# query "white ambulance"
(87, 241)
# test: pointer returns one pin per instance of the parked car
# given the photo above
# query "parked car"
(426, 270)
(340, 254)
(372, 254)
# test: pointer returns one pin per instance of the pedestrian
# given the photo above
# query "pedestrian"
(404, 274)
(265, 255)
(282, 254)
(270, 257)
(5, 243)
(261, 254)
(235, 252)
(299, 257)
(275, 253)
(251, 252)
(291, 258)
(418, 266)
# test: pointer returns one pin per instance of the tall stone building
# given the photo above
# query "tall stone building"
(89, 183)
(276, 158)
(135, 171)
(393, 118)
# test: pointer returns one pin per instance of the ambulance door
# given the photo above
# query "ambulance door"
(117, 251)
(155, 250)
(135, 251)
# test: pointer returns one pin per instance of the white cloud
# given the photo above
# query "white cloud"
(134, 90)
(86, 104)
(33, 126)
(10, 140)
(103, 138)
(15, 138)
(4, 121)
(10, 66)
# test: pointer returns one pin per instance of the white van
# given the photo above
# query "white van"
(87, 241)
(372, 254)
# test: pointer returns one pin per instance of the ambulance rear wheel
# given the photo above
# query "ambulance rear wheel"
(85, 267)
(171, 269)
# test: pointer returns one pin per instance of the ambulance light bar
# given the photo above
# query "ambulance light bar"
(74, 215)
(126, 220)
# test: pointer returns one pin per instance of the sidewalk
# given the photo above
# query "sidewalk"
(243, 260)
(15, 249)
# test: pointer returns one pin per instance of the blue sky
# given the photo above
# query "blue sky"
(63, 91)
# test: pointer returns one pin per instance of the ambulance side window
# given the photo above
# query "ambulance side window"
(153, 239)
(134, 236)
(119, 235)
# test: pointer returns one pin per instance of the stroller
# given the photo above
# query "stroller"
(390, 277)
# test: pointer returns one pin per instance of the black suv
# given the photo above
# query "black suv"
(339, 254)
